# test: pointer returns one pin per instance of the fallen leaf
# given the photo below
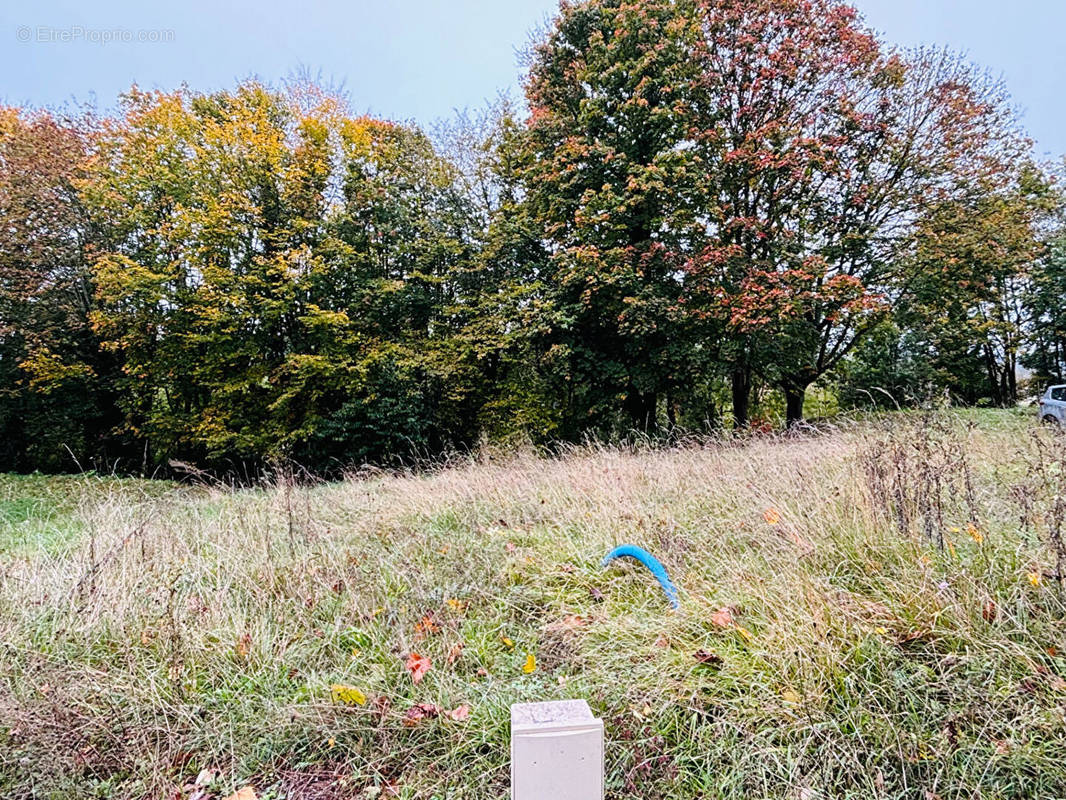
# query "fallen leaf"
(418, 666)
(596, 594)
(707, 657)
(455, 653)
(425, 626)
(456, 605)
(1002, 746)
(508, 643)
(975, 533)
(510, 547)
(348, 695)
(772, 516)
(641, 711)
(723, 617)
(1034, 578)
(661, 641)
(460, 714)
(243, 646)
(419, 712)
(989, 611)
(245, 793)
(530, 665)
(791, 697)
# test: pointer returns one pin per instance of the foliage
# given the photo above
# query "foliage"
(709, 208)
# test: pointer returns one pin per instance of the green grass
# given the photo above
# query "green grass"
(41, 512)
(152, 631)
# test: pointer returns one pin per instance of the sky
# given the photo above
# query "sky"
(423, 59)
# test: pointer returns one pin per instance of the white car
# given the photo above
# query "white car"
(1053, 405)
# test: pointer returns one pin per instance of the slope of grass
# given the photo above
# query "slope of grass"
(869, 612)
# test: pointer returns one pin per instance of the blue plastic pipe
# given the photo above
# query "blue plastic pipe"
(653, 565)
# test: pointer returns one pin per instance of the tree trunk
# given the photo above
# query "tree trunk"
(993, 377)
(741, 397)
(671, 411)
(1012, 380)
(794, 398)
(642, 409)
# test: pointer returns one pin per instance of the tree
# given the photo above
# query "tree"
(276, 279)
(967, 278)
(57, 400)
(613, 182)
(821, 148)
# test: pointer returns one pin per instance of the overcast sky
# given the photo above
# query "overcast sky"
(421, 59)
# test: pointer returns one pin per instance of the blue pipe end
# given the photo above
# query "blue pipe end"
(654, 566)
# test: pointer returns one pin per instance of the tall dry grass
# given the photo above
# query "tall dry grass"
(873, 611)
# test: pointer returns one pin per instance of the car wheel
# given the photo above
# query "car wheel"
(1050, 419)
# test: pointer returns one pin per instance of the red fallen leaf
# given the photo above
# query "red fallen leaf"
(460, 714)
(426, 626)
(482, 672)
(419, 712)
(723, 617)
(418, 666)
(989, 611)
(707, 658)
(1002, 746)
(455, 653)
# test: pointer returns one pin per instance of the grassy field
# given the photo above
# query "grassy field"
(871, 611)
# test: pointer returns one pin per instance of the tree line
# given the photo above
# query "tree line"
(704, 209)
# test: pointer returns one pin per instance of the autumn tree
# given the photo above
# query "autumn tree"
(822, 147)
(276, 278)
(57, 400)
(967, 278)
(613, 181)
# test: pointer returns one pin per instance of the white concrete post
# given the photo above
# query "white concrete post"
(556, 751)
